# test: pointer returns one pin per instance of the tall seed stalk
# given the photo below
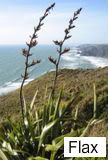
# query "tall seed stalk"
(95, 99)
(26, 52)
(61, 50)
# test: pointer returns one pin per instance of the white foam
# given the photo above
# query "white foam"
(97, 61)
(11, 86)
(71, 66)
(68, 58)
(74, 55)
(74, 59)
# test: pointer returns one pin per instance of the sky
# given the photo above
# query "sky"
(18, 18)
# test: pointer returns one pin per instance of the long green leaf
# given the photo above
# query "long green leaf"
(33, 101)
(45, 131)
(56, 112)
(2, 155)
(57, 143)
(37, 158)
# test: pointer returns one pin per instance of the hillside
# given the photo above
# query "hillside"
(97, 50)
(77, 83)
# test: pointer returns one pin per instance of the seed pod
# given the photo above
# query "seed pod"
(25, 52)
(67, 37)
(57, 43)
(52, 60)
(65, 50)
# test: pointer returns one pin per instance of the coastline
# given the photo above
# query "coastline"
(72, 60)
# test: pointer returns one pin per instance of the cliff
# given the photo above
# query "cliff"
(97, 50)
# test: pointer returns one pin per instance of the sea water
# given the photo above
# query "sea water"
(12, 63)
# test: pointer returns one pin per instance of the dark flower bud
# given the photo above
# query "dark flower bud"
(33, 43)
(65, 50)
(52, 60)
(57, 43)
(67, 37)
(75, 18)
(71, 21)
(34, 36)
(47, 10)
(77, 12)
(34, 63)
(25, 52)
(38, 27)
(38, 61)
(70, 27)
(66, 31)
(52, 6)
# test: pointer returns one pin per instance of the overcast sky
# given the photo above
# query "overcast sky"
(18, 17)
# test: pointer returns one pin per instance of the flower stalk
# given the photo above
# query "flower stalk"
(61, 50)
(26, 52)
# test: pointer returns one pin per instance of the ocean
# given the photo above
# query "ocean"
(12, 64)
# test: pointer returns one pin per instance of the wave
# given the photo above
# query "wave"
(97, 61)
(11, 86)
(71, 56)
(76, 60)
(71, 60)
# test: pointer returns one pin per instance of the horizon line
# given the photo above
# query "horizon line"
(10, 44)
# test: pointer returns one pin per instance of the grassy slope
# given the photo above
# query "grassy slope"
(76, 82)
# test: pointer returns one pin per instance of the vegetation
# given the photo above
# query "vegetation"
(100, 125)
(72, 106)
(26, 52)
(76, 82)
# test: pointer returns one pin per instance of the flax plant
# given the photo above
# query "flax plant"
(60, 44)
(42, 138)
(26, 52)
